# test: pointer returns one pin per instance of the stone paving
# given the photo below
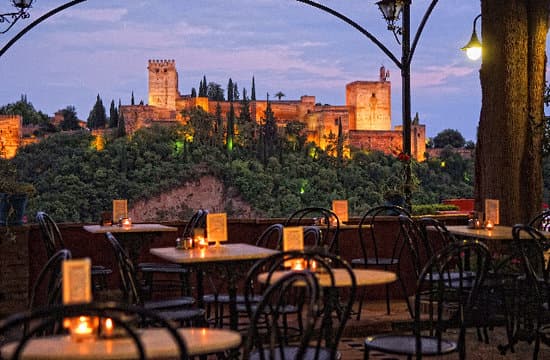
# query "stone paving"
(374, 320)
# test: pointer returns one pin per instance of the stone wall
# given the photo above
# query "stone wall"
(10, 135)
(14, 270)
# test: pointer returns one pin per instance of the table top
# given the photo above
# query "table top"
(363, 277)
(135, 228)
(498, 232)
(157, 343)
(225, 252)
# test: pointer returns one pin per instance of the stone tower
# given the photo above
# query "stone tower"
(369, 103)
(163, 84)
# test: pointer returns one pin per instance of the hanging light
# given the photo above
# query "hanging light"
(391, 9)
(10, 18)
(473, 47)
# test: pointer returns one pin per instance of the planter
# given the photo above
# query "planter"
(12, 208)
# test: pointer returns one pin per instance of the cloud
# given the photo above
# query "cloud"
(440, 75)
(109, 15)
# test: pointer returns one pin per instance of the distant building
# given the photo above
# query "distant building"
(10, 135)
(366, 117)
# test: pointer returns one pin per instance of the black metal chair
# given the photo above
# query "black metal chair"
(324, 219)
(48, 285)
(167, 276)
(275, 320)
(370, 226)
(541, 221)
(442, 304)
(271, 238)
(53, 241)
(528, 316)
(436, 235)
(177, 309)
(52, 318)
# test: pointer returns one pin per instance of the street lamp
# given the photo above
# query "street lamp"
(392, 10)
(10, 18)
(473, 47)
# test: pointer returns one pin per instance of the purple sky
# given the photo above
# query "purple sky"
(103, 47)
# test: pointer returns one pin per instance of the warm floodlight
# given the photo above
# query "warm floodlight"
(473, 47)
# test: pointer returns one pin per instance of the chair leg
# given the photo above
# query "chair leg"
(360, 304)
(388, 309)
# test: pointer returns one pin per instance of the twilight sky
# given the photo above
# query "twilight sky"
(103, 47)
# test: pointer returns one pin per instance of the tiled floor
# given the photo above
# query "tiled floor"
(374, 320)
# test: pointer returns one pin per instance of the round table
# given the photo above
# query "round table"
(157, 343)
(363, 277)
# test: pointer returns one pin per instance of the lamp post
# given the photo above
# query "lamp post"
(391, 11)
(10, 18)
(34, 23)
(473, 47)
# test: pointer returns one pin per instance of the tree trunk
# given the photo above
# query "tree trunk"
(508, 153)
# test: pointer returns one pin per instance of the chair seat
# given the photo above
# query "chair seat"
(184, 315)
(406, 345)
(224, 298)
(162, 268)
(101, 270)
(375, 262)
(185, 301)
(290, 352)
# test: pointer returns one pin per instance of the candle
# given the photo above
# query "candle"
(126, 223)
(298, 265)
(313, 265)
(489, 225)
(107, 328)
(82, 328)
(201, 243)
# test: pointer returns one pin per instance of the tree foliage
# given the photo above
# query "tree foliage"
(448, 137)
(27, 111)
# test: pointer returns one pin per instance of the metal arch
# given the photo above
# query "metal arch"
(36, 22)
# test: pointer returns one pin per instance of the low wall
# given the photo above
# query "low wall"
(20, 265)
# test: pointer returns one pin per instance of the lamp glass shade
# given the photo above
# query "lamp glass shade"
(391, 9)
(22, 4)
(473, 48)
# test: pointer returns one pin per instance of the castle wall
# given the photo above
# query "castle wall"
(10, 135)
(369, 105)
(390, 142)
(418, 140)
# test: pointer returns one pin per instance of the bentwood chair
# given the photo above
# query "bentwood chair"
(177, 309)
(273, 320)
(46, 289)
(271, 238)
(53, 241)
(541, 221)
(528, 316)
(440, 305)
(52, 318)
(324, 219)
(167, 276)
(371, 226)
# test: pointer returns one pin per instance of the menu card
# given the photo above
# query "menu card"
(77, 281)
(340, 208)
(491, 211)
(120, 210)
(216, 227)
(293, 239)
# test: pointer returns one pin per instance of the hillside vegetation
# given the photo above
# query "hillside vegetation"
(77, 175)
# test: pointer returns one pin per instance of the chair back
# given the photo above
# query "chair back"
(197, 220)
(370, 227)
(50, 233)
(129, 282)
(327, 222)
(435, 234)
(451, 301)
(48, 284)
(541, 221)
(53, 316)
(334, 309)
(271, 237)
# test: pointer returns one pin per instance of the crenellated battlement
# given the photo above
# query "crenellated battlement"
(158, 64)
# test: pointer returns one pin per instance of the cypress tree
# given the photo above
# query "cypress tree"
(193, 93)
(121, 128)
(113, 115)
(235, 92)
(253, 91)
(133, 101)
(230, 128)
(230, 90)
(97, 118)
(219, 124)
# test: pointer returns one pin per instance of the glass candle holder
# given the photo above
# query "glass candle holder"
(201, 243)
(126, 223)
(83, 327)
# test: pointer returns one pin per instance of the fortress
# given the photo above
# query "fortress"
(366, 117)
